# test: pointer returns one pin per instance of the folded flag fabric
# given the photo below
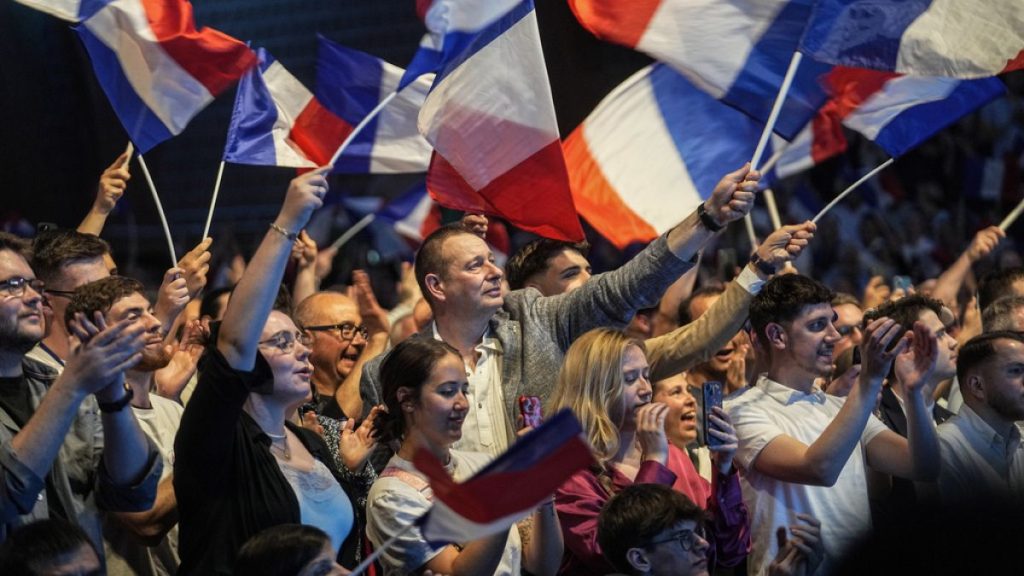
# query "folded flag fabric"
(820, 140)
(277, 121)
(413, 214)
(156, 68)
(737, 51)
(508, 488)
(957, 38)
(651, 151)
(491, 120)
(350, 84)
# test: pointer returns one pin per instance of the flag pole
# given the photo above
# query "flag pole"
(362, 124)
(787, 81)
(159, 210)
(1012, 216)
(773, 208)
(380, 550)
(853, 187)
(213, 202)
(749, 223)
(344, 238)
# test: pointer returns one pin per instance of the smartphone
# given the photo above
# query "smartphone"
(902, 283)
(856, 355)
(529, 407)
(711, 396)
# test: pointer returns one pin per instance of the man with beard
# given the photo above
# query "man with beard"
(144, 543)
(41, 476)
(802, 451)
(982, 452)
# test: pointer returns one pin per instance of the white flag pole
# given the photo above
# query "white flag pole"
(1012, 216)
(853, 187)
(358, 227)
(749, 223)
(159, 210)
(213, 201)
(379, 551)
(359, 127)
(787, 81)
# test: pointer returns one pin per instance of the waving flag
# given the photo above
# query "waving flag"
(820, 140)
(157, 69)
(958, 38)
(350, 84)
(737, 51)
(491, 120)
(651, 151)
(278, 122)
(487, 503)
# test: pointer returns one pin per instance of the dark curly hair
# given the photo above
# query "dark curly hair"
(408, 365)
(783, 298)
(533, 258)
(100, 295)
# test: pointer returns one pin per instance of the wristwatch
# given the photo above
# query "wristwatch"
(118, 405)
(763, 266)
(707, 220)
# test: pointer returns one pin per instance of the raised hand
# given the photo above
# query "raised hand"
(801, 554)
(916, 364)
(305, 194)
(733, 196)
(172, 297)
(721, 428)
(842, 385)
(172, 379)
(881, 344)
(876, 293)
(650, 431)
(113, 183)
(304, 251)
(984, 242)
(786, 243)
(355, 445)
(475, 223)
(374, 317)
(100, 354)
(195, 266)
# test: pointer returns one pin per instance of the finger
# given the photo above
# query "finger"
(780, 537)
(740, 174)
(808, 519)
(76, 329)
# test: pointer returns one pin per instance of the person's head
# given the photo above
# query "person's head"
(551, 266)
(288, 550)
(65, 260)
(119, 298)
(792, 317)
(49, 548)
(681, 421)
(333, 320)
(424, 387)
(1000, 284)
(286, 350)
(991, 374)
(936, 317)
(653, 529)
(604, 380)
(22, 324)
(849, 317)
(455, 270)
(1004, 314)
(214, 303)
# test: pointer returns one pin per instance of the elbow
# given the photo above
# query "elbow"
(822, 475)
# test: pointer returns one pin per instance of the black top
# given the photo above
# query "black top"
(228, 485)
(15, 399)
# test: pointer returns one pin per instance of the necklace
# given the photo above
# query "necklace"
(283, 451)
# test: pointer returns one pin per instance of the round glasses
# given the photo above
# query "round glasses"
(286, 341)
(687, 538)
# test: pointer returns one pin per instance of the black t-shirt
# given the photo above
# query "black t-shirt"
(15, 399)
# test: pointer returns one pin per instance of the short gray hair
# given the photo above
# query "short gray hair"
(999, 314)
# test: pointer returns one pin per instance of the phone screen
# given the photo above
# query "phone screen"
(711, 393)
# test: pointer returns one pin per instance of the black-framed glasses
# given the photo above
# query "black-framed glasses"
(345, 330)
(64, 293)
(15, 287)
(686, 538)
(285, 341)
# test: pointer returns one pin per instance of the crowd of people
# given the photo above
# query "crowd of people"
(269, 426)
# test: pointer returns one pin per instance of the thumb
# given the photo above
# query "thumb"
(740, 174)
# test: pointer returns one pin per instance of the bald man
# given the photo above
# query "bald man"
(339, 338)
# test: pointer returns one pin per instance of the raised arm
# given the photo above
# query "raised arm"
(113, 183)
(732, 198)
(254, 295)
(790, 460)
(948, 284)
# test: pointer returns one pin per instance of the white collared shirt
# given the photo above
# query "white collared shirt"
(769, 410)
(486, 428)
(978, 462)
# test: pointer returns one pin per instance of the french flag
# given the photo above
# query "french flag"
(651, 151)
(277, 121)
(737, 51)
(508, 488)
(350, 84)
(957, 38)
(157, 69)
(491, 120)
(413, 214)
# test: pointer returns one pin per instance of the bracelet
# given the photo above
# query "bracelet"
(118, 405)
(763, 266)
(707, 220)
(291, 236)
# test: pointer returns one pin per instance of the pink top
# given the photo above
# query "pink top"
(581, 498)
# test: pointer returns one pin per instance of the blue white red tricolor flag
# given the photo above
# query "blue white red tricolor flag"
(350, 84)
(277, 121)
(507, 489)
(737, 51)
(491, 120)
(958, 38)
(651, 151)
(413, 214)
(157, 69)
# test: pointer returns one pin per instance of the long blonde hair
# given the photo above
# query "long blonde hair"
(590, 383)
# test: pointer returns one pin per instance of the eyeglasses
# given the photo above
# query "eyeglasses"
(15, 287)
(345, 330)
(286, 341)
(686, 538)
(64, 293)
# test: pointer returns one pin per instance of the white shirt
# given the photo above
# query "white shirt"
(978, 461)
(768, 410)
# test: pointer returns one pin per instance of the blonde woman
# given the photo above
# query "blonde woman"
(604, 380)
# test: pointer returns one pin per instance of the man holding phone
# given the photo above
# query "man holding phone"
(802, 451)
